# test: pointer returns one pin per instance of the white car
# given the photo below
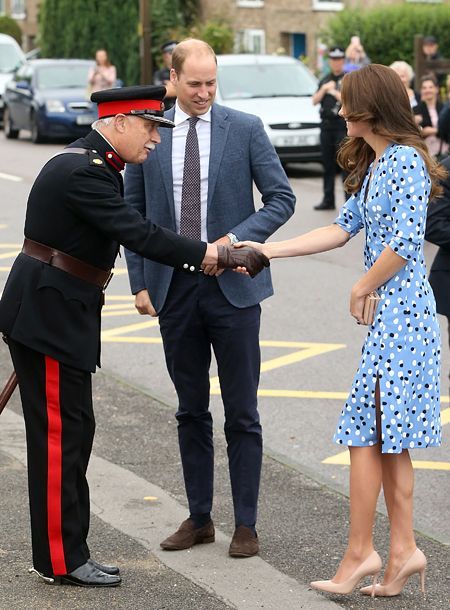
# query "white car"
(11, 57)
(279, 90)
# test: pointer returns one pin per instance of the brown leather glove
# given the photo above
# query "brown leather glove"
(253, 260)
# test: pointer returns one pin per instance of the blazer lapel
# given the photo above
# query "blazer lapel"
(164, 154)
(219, 133)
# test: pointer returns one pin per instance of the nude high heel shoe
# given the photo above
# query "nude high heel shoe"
(370, 566)
(417, 563)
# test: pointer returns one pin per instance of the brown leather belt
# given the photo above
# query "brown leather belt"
(65, 262)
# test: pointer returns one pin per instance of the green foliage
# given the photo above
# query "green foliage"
(387, 32)
(10, 27)
(76, 28)
(217, 32)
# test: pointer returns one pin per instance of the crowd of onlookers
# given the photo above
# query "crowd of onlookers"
(429, 96)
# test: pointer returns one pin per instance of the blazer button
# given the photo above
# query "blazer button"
(192, 268)
(185, 266)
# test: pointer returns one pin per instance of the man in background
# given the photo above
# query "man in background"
(162, 76)
(332, 126)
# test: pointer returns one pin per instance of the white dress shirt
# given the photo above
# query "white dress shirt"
(179, 134)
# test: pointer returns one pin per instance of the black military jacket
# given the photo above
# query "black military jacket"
(76, 205)
(438, 232)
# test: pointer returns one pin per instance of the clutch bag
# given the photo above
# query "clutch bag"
(370, 307)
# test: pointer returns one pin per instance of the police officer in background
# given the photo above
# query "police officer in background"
(162, 76)
(332, 126)
(76, 219)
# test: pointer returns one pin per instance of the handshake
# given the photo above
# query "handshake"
(230, 257)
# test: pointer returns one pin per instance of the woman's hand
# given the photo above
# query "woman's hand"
(357, 304)
(254, 244)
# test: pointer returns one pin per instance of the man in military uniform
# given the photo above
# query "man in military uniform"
(50, 314)
(162, 76)
(332, 127)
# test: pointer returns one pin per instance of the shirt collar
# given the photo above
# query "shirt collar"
(181, 116)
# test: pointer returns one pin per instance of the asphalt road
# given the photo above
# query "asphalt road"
(310, 350)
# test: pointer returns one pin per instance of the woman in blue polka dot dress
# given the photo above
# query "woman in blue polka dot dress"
(394, 402)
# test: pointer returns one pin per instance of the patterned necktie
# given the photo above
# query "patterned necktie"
(190, 218)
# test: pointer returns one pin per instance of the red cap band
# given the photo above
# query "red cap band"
(126, 106)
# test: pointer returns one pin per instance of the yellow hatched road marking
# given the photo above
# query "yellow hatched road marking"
(10, 254)
(309, 350)
(106, 334)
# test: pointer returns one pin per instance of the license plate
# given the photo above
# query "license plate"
(86, 119)
(297, 140)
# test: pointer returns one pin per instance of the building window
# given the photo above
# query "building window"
(250, 3)
(18, 9)
(327, 5)
(251, 41)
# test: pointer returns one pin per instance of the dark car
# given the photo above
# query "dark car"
(48, 97)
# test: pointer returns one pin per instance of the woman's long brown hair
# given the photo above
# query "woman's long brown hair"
(376, 94)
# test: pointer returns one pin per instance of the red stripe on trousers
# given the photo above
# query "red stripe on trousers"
(54, 467)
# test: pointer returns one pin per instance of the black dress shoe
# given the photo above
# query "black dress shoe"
(113, 570)
(324, 205)
(87, 575)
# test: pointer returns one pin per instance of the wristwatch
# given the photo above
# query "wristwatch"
(232, 237)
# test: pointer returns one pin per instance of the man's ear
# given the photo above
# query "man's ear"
(120, 122)
(173, 76)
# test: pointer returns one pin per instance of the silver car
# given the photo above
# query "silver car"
(278, 89)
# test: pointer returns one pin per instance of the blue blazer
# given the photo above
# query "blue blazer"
(240, 154)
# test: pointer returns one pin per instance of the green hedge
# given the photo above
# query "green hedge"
(387, 32)
(10, 27)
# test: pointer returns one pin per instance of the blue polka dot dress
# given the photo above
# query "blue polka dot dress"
(402, 348)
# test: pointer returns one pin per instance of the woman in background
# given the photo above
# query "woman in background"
(103, 75)
(427, 115)
(406, 74)
(394, 402)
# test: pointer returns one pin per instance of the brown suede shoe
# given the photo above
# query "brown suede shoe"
(187, 535)
(244, 543)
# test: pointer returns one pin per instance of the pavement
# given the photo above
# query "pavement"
(137, 499)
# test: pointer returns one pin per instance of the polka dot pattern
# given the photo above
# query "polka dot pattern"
(402, 348)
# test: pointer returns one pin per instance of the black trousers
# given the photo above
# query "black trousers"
(60, 425)
(195, 318)
(330, 140)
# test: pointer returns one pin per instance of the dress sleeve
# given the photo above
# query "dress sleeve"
(349, 217)
(409, 188)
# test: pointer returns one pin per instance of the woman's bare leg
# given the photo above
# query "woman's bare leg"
(365, 485)
(398, 486)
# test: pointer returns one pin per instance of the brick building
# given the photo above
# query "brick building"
(25, 12)
(270, 26)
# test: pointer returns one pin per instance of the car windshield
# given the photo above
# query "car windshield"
(67, 76)
(265, 80)
(9, 58)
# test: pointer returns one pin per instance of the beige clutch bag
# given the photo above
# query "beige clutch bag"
(370, 307)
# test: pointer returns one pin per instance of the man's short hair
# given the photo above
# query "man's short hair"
(182, 50)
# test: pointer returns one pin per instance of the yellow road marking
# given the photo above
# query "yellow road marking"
(343, 459)
(116, 297)
(9, 254)
(309, 350)
(7, 269)
(129, 328)
(445, 414)
(119, 306)
(120, 271)
(4, 246)
(137, 340)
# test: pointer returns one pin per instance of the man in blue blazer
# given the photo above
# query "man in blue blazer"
(199, 182)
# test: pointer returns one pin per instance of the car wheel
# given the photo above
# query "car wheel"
(36, 135)
(10, 132)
